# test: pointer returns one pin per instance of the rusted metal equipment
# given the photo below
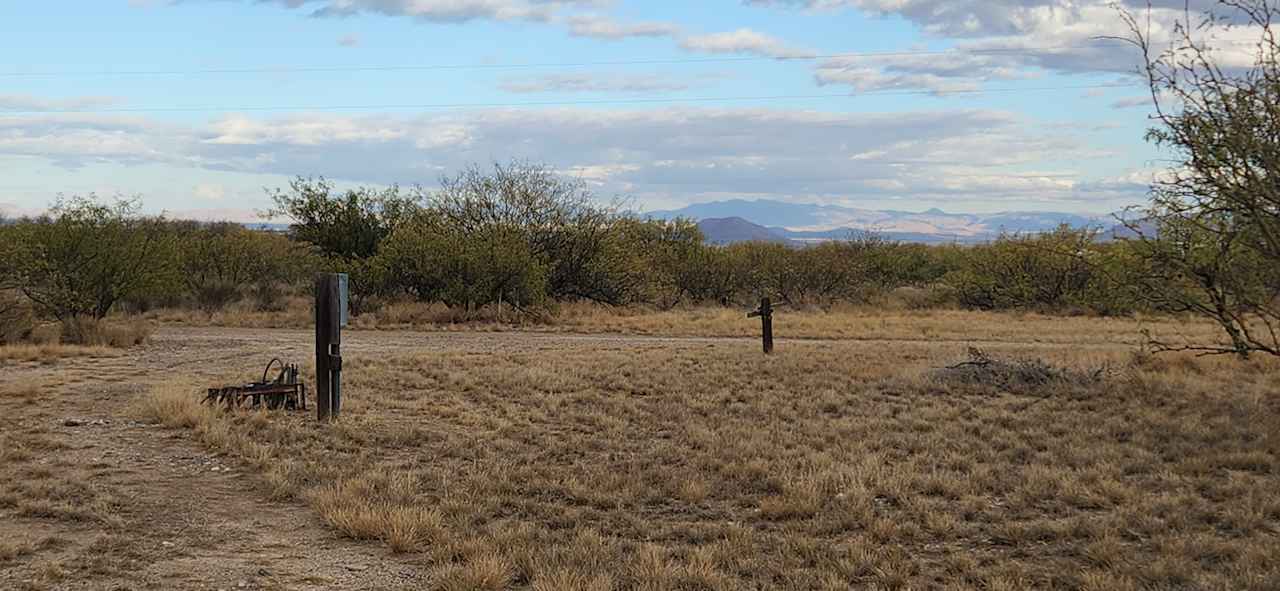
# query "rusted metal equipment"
(284, 392)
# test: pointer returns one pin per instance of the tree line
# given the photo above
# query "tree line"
(1208, 245)
(521, 236)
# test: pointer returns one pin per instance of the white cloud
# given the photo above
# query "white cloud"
(13, 210)
(657, 156)
(601, 27)
(441, 11)
(298, 131)
(1133, 181)
(618, 83)
(209, 191)
(940, 73)
(1132, 102)
(743, 41)
(25, 102)
(73, 140)
(1007, 39)
(983, 18)
(218, 214)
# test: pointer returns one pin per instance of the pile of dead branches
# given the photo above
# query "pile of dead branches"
(1031, 376)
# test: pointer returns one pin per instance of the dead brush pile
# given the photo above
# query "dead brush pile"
(1026, 376)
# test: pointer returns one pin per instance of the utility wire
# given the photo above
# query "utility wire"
(535, 65)
(624, 101)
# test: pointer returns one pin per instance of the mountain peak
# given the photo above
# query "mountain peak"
(740, 220)
(735, 229)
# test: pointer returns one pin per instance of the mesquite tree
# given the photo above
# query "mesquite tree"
(1214, 249)
(86, 256)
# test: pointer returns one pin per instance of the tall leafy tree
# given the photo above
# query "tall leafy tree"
(85, 256)
(347, 227)
(1215, 250)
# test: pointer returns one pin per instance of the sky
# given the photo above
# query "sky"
(198, 106)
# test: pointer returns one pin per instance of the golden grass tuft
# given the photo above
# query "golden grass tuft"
(10, 551)
(404, 529)
(52, 352)
(486, 572)
(569, 580)
(176, 406)
(24, 393)
(379, 507)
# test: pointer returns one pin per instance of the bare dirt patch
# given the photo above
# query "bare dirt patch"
(93, 499)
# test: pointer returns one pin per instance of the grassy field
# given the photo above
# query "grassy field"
(845, 322)
(1064, 459)
(32, 352)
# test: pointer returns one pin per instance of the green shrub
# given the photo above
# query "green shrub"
(1058, 271)
(16, 318)
(222, 263)
(343, 225)
(435, 262)
(86, 256)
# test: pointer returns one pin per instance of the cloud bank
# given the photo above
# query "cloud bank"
(657, 156)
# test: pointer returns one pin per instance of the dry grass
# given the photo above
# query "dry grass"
(871, 323)
(31, 487)
(120, 334)
(78, 338)
(51, 352)
(827, 466)
(296, 313)
(174, 406)
(846, 322)
(1027, 376)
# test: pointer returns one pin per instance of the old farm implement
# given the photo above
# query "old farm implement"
(284, 392)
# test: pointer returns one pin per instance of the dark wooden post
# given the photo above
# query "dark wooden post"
(328, 353)
(766, 323)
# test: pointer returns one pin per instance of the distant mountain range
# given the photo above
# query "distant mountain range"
(724, 222)
(738, 220)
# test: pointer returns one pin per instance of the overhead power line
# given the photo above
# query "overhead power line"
(1102, 43)
(583, 102)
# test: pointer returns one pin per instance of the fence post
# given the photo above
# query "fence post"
(766, 323)
(328, 343)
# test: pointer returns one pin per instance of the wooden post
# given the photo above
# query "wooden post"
(766, 323)
(328, 341)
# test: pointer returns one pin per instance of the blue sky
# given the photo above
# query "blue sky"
(197, 105)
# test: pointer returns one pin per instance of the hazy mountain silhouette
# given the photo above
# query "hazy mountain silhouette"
(735, 229)
(737, 220)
